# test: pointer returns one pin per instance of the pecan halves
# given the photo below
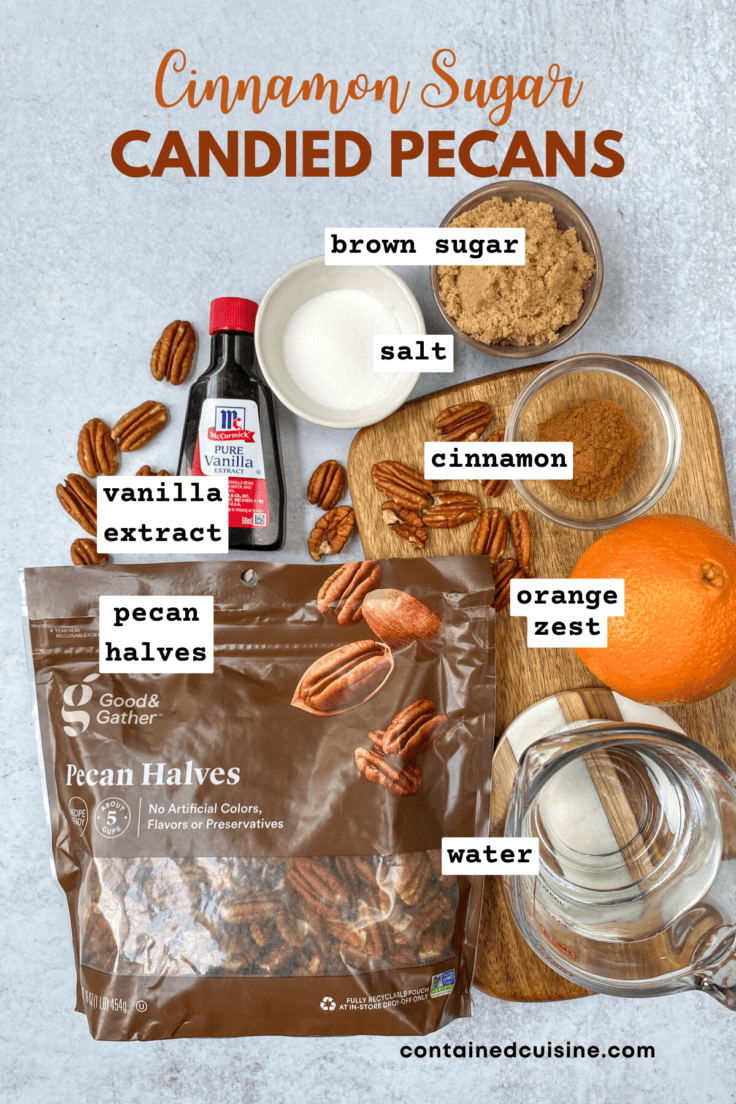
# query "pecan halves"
(409, 875)
(331, 532)
(326, 485)
(467, 421)
(406, 523)
(346, 588)
(494, 487)
(413, 730)
(139, 426)
(490, 534)
(403, 485)
(79, 499)
(147, 470)
(317, 886)
(84, 551)
(522, 540)
(503, 573)
(398, 778)
(173, 353)
(450, 509)
(344, 678)
(96, 450)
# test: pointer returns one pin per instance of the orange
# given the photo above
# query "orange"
(677, 639)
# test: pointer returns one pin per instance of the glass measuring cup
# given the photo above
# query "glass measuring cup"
(636, 890)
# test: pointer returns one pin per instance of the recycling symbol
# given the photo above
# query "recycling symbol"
(327, 1004)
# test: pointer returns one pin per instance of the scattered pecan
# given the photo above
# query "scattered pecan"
(136, 428)
(344, 678)
(407, 524)
(397, 779)
(450, 509)
(467, 421)
(79, 498)
(84, 551)
(147, 470)
(332, 532)
(503, 573)
(490, 534)
(326, 485)
(403, 485)
(317, 885)
(494, 487)
(412, 731)
(522, 541)
(173, 353)
(96, 450)
(346, 588)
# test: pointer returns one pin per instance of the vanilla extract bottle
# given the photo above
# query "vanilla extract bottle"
(231, 430)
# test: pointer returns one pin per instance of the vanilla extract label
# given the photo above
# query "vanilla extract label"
(229, 443)
(167, 515)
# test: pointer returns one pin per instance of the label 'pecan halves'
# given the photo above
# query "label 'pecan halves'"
(326, 485)
(346, 588)
(407, 524)
(79, 499)
(173, 353)
(136, 428)
(96, 450)
(84, 551)
(403, 485)
(344, 678)
(467, 421)
(331, 532)
(398, 778)
(490, 535)
(450, 509)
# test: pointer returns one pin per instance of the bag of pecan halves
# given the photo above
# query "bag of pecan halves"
(257, 850)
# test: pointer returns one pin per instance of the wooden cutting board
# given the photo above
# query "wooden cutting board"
(506, 967)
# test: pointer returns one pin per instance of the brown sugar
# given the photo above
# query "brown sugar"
(518, 304)
(605, 447)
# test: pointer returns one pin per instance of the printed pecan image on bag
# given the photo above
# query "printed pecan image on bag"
(238, 848)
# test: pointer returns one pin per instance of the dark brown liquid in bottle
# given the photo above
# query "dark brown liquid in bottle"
(235, 377)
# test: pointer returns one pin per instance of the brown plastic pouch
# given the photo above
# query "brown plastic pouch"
(257, 851)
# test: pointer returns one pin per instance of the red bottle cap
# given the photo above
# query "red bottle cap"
(229, 313)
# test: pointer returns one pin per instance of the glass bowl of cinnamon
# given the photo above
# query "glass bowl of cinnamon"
(626, 435)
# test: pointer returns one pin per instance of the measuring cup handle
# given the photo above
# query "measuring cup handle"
(716, 965)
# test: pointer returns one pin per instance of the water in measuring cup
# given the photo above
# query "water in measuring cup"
(630, 843)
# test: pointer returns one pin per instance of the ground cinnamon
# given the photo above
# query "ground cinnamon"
(605, 447)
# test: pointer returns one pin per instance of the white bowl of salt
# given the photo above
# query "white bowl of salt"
(314, 340)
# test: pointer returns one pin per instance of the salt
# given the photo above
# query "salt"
(328, 349)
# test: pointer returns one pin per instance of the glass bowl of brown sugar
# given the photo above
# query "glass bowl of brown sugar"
(626, 435)
(530, 310)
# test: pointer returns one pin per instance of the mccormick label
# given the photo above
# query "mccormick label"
(229, 443)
